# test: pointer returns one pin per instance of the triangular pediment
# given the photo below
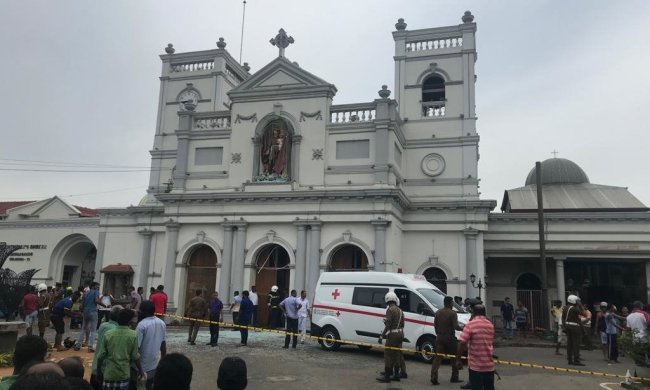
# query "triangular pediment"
(51, 208)
(281, 77)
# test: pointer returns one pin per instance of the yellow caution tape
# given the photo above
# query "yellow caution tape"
(371, 345)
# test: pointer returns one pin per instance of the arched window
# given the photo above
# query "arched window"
(433, 96)
(437, 277)
(348, 258)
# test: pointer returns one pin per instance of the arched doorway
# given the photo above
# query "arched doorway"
(271, 269)
(348, 257)
(437, 277)
(201, 273)
(529, 293)
(73, 261)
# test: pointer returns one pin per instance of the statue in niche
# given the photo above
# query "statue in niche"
(275, 152)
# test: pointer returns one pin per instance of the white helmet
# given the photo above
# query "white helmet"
(572, 299)
(390, 297)
(42, 287)
(274, 289)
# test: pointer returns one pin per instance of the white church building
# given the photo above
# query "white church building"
(261, 179)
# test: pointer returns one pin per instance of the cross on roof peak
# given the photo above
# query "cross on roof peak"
(282, 41)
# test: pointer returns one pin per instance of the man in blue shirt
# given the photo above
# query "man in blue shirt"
(59, 311)
(290, 307)
(89, 303)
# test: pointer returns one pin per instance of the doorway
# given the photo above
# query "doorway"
(348, 257)
(201, 273)
(271, 269)
(529, 293)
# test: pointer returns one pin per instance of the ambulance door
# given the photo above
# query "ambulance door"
(414, 325)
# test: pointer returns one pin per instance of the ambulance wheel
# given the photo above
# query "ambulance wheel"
(426, 347)
(329, 339)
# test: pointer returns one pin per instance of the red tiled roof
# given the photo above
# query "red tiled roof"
(4, 206)
(118, 268)
(86, 212)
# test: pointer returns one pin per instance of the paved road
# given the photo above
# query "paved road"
(309, 367)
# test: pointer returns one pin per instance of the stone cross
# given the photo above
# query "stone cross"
(282, 41)
(554, 153)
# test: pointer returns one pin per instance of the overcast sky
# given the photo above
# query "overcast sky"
(80, 81)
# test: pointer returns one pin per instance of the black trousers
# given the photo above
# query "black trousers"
(481, 380)
(214, 331)
(254, 318)
(244, 331)
(574, 336)
(292, 326)
(274, 317)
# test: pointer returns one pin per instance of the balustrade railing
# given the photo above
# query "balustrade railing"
(351, 113)
(232, 74)
(433, 109)
(212, 122)
(434, 44)
(193, 66)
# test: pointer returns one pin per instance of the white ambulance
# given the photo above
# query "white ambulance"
(349, 306)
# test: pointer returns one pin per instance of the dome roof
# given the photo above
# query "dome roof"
(558, 171)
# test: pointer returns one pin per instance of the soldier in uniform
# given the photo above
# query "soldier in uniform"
(394, 334)
(571, 324)
(446, 324)
(44, 309)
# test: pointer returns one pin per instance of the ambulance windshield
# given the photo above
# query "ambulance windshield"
(436, 298)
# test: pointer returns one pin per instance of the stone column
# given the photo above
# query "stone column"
(146, 235)
(559, 278)
(183, 149)
(471, 261)
(314, 259)
(380, 243)
(99, 259)
(226, 262)
(239, 256)
(301, 254)
(169, 277)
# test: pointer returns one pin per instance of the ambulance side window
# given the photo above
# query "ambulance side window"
(369, 296)
(409, 302)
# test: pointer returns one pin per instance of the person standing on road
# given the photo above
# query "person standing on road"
(89, 303)
(571, 324)
(507, 311)
(234, 308)
(197, 311)
(637, 323)
(252, 295)
(303, 313)
(245, 314)
(29, 309)
(394, 334)
(273, 300)
(556, 314)
(612, 328)
(104, 310)
(135, 300)
(216, 316)
(521, 318)
(44, 306)
(151, 334)
(95, 377)
(446, 325)
(159, 299)
(477, 338)
(290, 306)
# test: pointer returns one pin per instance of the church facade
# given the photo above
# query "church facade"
(260, 179)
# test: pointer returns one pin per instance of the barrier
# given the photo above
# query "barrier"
(382, 346)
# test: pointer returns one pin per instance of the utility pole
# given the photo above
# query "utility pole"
(542, 243)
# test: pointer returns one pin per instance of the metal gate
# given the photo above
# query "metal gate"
(532, 300)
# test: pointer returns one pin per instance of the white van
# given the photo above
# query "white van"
(350, 306)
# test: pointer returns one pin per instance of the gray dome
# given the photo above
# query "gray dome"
(558, 171)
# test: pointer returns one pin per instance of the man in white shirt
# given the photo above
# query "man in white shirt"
(134, 304)
(252, 295)
(636, 321)
(151, 334)
(303, 313)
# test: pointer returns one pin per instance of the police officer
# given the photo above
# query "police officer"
(394, 334)
(571, 324)
(273, 300)
(44, 307)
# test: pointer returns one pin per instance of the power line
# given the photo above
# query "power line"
(82, 170)
(241, 43)
(14, 161)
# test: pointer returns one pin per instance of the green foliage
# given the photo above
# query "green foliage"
(637, 350)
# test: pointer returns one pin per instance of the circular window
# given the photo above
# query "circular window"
(433, 164)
